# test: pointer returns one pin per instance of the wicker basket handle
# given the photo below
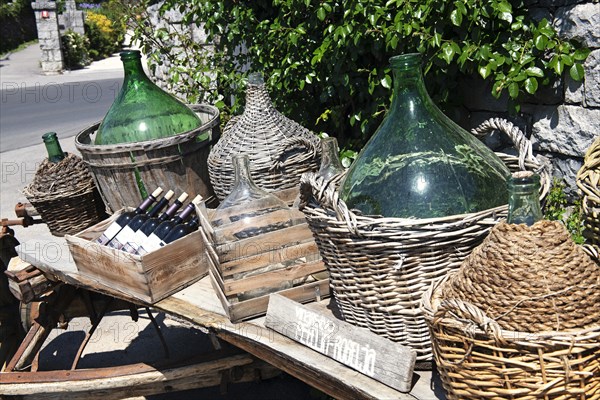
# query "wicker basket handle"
(289, 144)
(471, 316)
(523, 146)
(325, 193)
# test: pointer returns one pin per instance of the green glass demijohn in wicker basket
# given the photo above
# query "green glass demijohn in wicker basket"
(143, 111)
(419, 163)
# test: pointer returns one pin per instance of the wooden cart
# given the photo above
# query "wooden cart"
(199, 305)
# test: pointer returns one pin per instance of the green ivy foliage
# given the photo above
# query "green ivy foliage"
(326, 62)
(557, 208)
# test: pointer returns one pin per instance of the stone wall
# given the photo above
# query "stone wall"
(172, 22)
(562, 120)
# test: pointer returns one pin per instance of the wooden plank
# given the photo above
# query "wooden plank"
(257, 306)
(315, 369)
(245, 264)
(360, 349)
(252, 226)
(26, 282)
(284, 275)
(132, 380)
(267, 242)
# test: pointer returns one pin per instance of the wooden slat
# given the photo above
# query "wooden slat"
(132, 380)
(308, 250)
(291, 236)
(273, 278)
(360, 349)
(251, 226)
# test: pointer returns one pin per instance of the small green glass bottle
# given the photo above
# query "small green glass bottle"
(143, 111)
(55, 152)
(524, 198)
(419, 163)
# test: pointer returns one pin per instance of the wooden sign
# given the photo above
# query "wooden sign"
(358, 348)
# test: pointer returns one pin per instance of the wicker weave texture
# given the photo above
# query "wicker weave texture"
(380, 267)
(588, 181)
(280, 150)
(530, 279)
(477, 359)
(65, 196)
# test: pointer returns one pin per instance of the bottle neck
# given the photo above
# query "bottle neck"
(243, 178)
(145, 204)
(158, 207)
(330, 160)
(524, 202)
(55, 152)
(408, 80)
(187, 211)
(132, 67)
(257, 97)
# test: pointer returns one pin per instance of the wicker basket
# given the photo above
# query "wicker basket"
(280, 150)
(176, 162)
(588, 180)
(539, 337)
(380, 267)
(65, 196)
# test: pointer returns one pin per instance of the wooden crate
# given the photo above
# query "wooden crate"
(244, 272)
(150, 277)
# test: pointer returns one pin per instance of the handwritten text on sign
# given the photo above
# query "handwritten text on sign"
(358, 348)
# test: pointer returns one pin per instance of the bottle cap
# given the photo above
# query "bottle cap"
(157, 192)
(169, 195)
(197, 200)
(183, 197)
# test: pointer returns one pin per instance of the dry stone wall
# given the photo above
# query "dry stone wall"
(562, 120)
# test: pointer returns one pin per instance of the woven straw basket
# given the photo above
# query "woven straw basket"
(588, 180)
(65, 196)
(539, 337)
(280, 150)
(380, 267)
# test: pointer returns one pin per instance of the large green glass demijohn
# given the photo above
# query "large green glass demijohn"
(419, 163)
(143, 111)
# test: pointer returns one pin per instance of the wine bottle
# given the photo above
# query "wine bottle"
(180, 230)
(162, 230)
(55, 152)
(127, 233)
(141, 235)
(127, 216)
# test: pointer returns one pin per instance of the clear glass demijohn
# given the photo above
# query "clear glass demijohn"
(419, 163)
(247, 203)
(143, 111)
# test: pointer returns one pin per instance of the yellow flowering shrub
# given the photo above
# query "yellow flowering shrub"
(102, 35)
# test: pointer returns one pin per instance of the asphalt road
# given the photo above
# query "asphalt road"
(28, 111)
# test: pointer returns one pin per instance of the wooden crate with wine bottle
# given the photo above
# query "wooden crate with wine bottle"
(147, 255)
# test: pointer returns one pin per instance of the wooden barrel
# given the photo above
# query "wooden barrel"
(175, 163)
